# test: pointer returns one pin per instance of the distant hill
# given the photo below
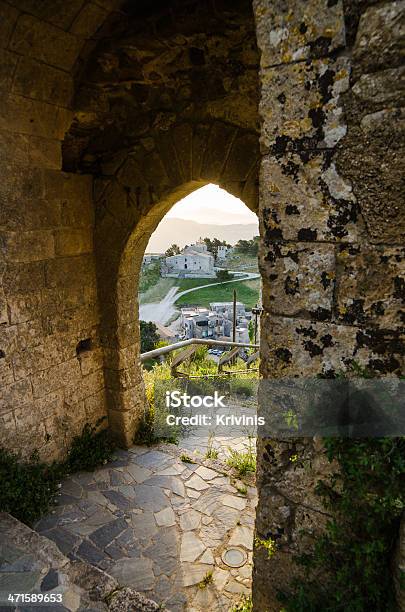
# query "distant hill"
(182, 232)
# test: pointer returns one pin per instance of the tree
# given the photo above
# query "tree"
(149, 336)
(212, 245)
(250, 247)
(173, 250)
(223, 275)
(251, 332)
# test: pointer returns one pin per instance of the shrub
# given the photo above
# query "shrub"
(366, 497)
(90, 449)
(28, 488)
(149, 336)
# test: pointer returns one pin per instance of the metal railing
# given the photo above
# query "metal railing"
(164, 350)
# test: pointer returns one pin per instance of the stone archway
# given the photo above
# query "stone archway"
(130, 206)
(329, 74)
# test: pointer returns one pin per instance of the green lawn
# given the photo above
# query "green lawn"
(246, 292)
(156, 288)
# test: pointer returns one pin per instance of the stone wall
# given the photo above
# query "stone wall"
(155, 100)
(51, 375)
(332, 227)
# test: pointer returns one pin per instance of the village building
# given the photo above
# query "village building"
(194, 261)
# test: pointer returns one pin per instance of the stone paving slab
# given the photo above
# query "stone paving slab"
(33, 565)
(159, 525)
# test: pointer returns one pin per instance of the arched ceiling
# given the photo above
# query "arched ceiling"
(158, 63)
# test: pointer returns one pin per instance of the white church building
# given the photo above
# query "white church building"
(194, 261)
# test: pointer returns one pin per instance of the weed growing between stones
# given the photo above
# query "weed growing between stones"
(186, 458)
(269, 545)
(244, 605)
(28, 488)
(208, 579)
(242, 461)
(91, 449)
(367, 498)
(211, 452)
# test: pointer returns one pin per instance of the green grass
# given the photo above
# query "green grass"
(153, 288)
(246, 292)
(242, 461)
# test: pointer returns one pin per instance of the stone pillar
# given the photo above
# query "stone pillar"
(330, 255)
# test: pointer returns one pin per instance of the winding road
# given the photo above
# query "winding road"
(161, 312)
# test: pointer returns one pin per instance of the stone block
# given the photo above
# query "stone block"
(380, 35)
(23, 278)
(7, 428)
(77, 323)
(70, 271)
(29, 333)
(123, 379)
(301, 106)
(8, 62)
(95, 406)
(300, 279)
(124, 424)
(183, 140)
(23, 307)
(73, 242)
(8, 18)
(243, 156)
(36, 80)
(27, 247)
(45, 42)
(59, 13)
(36, 358)
(303, 197)
(6, 372)
(76, 213)
(308, 347)
(22, 213)
(384, 87)
(18, 393)
(199, 145)
(55, 378)
(305, 348)
(219, 142)
(168, 155)
(91, 361)
(72, 187)
(3, 307)
(51, 405)
(31, 436)
(291, 31)
(375, 139)
(370, 286)
(26, 116)
(76, 391)
(87, 22)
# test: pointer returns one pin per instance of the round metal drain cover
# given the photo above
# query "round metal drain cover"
(234, 557)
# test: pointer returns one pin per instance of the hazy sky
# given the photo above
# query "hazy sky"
(211, 204)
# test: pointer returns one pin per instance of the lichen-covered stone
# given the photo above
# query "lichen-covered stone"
(301, 107)
(303, 197)
(291, 31)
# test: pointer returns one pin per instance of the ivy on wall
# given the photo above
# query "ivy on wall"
(366, 497)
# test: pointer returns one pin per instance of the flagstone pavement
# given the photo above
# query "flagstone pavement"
(161, 525)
